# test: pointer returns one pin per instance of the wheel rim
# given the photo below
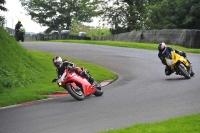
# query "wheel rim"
(182, 66)
(77, 91)
(185, 69)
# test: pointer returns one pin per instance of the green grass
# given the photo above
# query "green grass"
(148, 46)
(186, 124)
(43, 85)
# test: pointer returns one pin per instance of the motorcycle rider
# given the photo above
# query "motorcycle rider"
(17, 27)
(61, 65)
(165, 51)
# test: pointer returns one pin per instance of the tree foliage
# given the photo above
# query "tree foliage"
(170, 14)
(120, 15)
(59, 14)
(2, 8)
(128, 15)
(188, 14)
(123, 15)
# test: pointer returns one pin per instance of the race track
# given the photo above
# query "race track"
(142, 93)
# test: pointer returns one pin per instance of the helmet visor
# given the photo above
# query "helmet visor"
(57, 64)
(163, 50)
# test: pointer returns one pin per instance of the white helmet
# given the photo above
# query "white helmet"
(57, 61)
(162, 47)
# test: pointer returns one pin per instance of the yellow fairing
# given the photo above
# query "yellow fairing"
(176, 58)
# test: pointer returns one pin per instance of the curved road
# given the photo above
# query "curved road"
(141, 94)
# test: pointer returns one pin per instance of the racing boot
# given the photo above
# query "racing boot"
(168, 70)
(91, 81)
(87, 76)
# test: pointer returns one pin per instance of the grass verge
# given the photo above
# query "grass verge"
(186, 124)
(26, 75)
(148, 46)
(36, 90)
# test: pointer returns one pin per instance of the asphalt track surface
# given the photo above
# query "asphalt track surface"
(142, 93)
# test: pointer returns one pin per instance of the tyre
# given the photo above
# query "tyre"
(75, 93)
(22, 38)
(192, 74)
(182, 68)
(17, 39)
(190, 70)
(99, 91)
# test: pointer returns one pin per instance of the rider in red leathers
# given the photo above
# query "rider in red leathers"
(61, 65)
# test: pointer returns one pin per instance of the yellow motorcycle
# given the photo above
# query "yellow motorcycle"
(179, 64)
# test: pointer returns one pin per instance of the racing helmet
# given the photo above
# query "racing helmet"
(162, 47)
(57, 61)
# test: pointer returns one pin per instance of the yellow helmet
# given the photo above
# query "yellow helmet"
(19, 21)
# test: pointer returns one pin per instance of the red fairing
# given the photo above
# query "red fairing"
(72, 78)
(79, 84)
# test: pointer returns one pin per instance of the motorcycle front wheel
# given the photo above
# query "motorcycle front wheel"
(75, 93)
(190, 70)
(182, 68)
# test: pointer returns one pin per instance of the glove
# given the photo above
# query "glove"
(54, 80)
(183, 54)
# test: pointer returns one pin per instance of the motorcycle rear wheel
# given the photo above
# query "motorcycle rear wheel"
(17, 39)
(99, 91)
(75, 93)
(182, 68)
(22, 38)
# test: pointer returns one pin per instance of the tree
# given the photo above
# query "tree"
(188, 14)
(124, 15)
(59, 14)
(161, 15)
(2, 8)
(170, 14)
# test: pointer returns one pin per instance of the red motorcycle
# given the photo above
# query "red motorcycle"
(78, 86)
